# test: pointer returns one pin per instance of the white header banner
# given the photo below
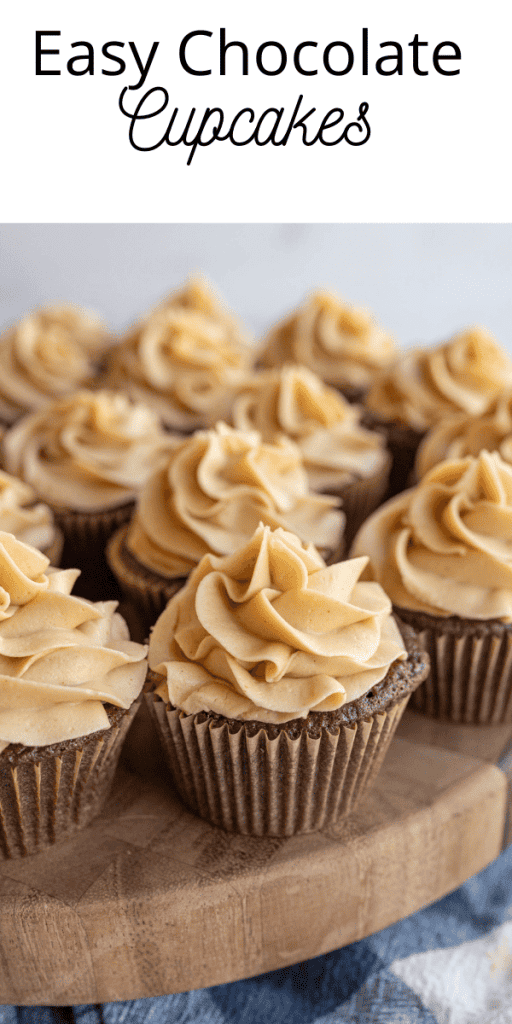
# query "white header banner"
(225, 111)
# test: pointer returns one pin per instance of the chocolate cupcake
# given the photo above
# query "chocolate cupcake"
(184, 359)
(341, 343)
(70, 686)
(276, 686)
(46, 355)
(209, 497)
(425, 385)
(443, 553)
(340, 456)
(87, 457)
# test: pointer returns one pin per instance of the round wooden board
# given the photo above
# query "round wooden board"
(152, 900)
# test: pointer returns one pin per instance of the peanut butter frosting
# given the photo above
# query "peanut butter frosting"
(445, 546)
(185, 358)
(61, 657)
(46, 355)
(462, 435)
(293, 401)
(214, 490)
(91, 451)
(341, 343)
(466, 374)
(271, 633)
(20, 514)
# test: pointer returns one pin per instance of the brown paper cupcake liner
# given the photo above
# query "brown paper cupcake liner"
(470, 676)
(46, 796)
(403, 443)
(257, 785)
(90, 531)
(361, 497)
(144, 589)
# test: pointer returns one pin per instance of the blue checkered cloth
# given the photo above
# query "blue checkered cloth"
(448, 964)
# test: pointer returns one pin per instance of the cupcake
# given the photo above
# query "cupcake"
(464, 375)
(184, 359)
(277, 683)
(70, 685)
(214, 489)
(87, 456)
(462, 435)
(29, 520)
(46, 355)
(340, 456)
(443, 553)
(341, 343)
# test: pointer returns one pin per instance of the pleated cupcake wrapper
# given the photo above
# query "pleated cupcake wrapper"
(271, 787)
(54, 550)
(143, 589)
(50, 797)
(361, 497)
(88, 532)
(470, 677)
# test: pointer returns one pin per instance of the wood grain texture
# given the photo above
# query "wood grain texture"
(150, 899)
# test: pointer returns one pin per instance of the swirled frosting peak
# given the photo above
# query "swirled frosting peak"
(341, 343)
(445, 546)
(462, 435)
(185, 358)
(91, 451)
(466, 374)
(293, 401)
(213, 491)
(46, 355)
(29, 521)
(270, 633)
(61, 657)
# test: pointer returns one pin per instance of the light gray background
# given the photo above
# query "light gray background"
(422, 281)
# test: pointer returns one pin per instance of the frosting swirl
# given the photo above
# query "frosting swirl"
(445, 546)
(270, 633)
(185, 358)
(462, 435)
(341, 343)
(292, 401)
(214, 490)
(20, 515)
(466, 374)
(91, 451)
(61, 657)
(46, 355)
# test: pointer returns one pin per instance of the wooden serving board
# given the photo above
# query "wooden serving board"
(152, 900)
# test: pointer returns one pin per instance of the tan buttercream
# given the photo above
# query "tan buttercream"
(61, 657)
(462, 435)
(215, 488)
(466, 374)
(29, 521)
(292, 401)
(46, 355)
(445, 546)
(91, 451)
(184, 358)
(270, 633)
(341, 343)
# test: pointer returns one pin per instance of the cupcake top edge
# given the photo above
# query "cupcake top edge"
(62, 658)
(271, 633)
